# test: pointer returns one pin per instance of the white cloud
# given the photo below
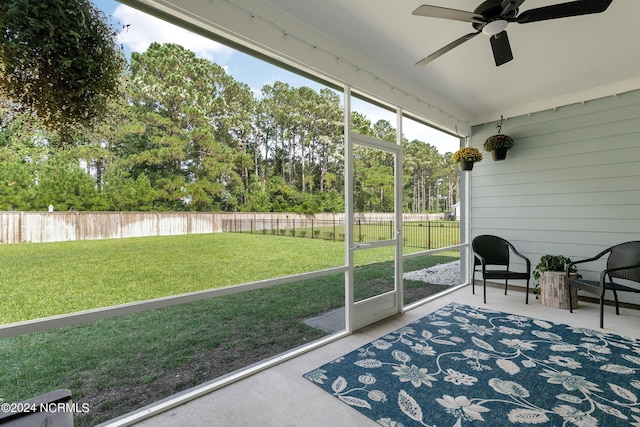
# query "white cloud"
(442, 141)
(142, 29)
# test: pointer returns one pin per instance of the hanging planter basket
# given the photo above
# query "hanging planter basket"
(498, 145)
(466, 165)
(466, 157)
(499, 154)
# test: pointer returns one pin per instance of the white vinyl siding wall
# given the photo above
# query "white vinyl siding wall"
(569, 186)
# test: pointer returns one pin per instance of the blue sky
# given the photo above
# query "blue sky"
(142, 29)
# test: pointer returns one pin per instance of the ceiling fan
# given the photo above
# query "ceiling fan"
(491, 17)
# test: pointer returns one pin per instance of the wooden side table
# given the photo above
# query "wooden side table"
(554, 291)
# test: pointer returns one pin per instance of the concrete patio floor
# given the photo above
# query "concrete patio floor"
(280, 396)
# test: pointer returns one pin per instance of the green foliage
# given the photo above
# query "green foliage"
(257, 199)
(549, 263)
(59, 60)
(17, 188)
(373, 175)
(497, 141)
(127, 194)
(68, 187)
(467, 154)
(430, 178)
(188, 137)
(186, 151)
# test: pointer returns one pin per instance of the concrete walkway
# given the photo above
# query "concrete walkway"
(331, 321)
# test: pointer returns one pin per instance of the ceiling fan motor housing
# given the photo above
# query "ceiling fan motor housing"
(491, 10)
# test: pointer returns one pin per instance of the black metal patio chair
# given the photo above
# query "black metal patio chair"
(491, 258)
(623, 264)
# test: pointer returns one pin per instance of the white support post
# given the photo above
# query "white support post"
(348, 210)
(398, 213)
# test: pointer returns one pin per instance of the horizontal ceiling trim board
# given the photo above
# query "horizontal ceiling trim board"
(609, 122)
(615, 90)
(268, 31)
(523, 124)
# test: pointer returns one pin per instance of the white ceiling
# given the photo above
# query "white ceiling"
(556, 62)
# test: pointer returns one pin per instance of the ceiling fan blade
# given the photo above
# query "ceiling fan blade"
(563, 10)
(447, 48)
(501, 48)
(446, 13)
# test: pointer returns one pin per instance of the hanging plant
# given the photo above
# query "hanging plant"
(498, 141)
(59, 59)
(498, 145)
(466, 157)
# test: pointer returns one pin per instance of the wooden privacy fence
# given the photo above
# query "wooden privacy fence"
(37, 227)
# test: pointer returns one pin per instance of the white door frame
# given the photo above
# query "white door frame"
(362, 313)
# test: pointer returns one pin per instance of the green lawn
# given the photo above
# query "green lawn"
(118, 365)
(121, 364)
(47, 279)
(416, 234)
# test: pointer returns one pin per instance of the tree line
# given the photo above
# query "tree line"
(186, 136)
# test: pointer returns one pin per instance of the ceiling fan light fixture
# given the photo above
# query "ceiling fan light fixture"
(495, 27)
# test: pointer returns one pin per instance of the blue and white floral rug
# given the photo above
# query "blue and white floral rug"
(466, 366)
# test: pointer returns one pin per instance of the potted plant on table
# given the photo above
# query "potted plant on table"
(498, 145)
(552, 263)
(466, 157)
